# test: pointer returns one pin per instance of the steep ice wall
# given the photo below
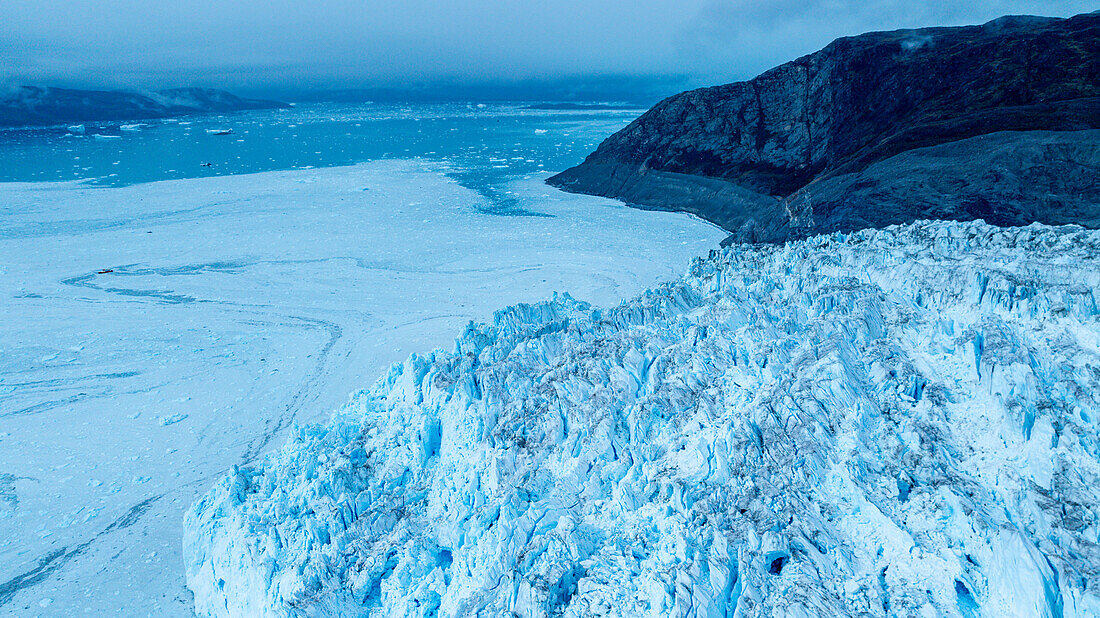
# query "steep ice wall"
(893, 422)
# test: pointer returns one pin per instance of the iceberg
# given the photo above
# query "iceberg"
(889, 422)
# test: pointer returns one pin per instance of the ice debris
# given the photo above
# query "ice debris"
(891, 422)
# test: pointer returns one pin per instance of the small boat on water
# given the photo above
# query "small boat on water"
(219, 131)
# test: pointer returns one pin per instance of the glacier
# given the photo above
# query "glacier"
(237, 306)
(888, 422)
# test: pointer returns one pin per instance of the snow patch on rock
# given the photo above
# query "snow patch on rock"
(898, 421)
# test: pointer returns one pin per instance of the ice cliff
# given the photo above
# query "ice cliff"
(889, 422)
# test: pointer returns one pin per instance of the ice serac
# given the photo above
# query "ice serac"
(891, 422)
(999, 122)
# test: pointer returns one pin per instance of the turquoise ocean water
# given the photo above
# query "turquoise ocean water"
(484, 145)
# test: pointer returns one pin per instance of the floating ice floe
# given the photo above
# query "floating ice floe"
(76, 128)
(132, 127)
(172, 419)
(892, 422)
(102, 137)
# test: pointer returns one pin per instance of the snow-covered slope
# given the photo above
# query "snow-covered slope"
(896, 422)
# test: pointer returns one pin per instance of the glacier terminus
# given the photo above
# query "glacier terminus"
(887, 422)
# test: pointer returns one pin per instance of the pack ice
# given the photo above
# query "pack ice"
(892, 422)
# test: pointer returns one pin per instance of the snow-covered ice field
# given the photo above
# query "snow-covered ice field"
(152, 336)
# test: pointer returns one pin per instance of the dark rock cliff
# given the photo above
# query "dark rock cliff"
(999, 121)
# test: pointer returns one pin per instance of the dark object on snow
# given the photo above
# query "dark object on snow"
(998, 122)
(105, 271)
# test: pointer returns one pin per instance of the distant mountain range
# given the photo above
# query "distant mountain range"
(33, 105)
(633, 91)
(999, 122)
(580, 107)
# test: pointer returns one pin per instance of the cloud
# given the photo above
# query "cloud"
(737, 39)
(337, 42)
(255, 44)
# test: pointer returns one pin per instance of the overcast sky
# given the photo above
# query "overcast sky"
(279, 44)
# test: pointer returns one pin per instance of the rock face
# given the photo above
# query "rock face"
(994, 121)
(31, 105)
(897, 422)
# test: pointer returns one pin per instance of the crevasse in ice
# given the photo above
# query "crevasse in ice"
(892, 422)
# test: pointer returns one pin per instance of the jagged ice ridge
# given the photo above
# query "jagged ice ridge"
(898, 421)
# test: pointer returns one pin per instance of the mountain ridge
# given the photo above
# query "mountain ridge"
(39, 106)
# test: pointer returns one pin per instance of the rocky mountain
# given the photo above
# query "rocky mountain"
(33, 105)
(999, 122)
